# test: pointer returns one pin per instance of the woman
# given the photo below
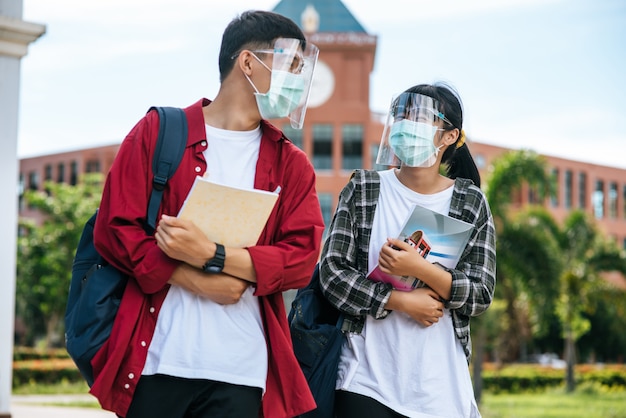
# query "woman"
(407, 352)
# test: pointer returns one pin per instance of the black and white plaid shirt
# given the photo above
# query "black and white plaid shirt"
(344, 261)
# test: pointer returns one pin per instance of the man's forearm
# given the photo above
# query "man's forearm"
(220, 288)
(239, 264)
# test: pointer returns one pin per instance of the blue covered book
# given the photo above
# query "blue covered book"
(436, 237)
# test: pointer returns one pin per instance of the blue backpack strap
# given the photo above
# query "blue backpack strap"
(168, 153)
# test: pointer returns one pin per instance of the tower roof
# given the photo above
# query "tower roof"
(334, 16)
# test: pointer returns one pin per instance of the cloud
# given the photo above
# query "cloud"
(520, 85)
(136, 12)
(142, 12)
(394, 11)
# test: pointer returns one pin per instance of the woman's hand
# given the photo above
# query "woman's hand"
(182, 240)
(398, 258)
(422, 304)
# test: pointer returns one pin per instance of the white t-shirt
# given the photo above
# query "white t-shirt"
(196, 338)
(415, 370)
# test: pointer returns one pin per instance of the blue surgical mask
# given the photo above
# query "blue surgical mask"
(413, 143)
(283, 96)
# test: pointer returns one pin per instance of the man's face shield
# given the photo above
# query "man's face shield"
(289, 59)
(410, 107)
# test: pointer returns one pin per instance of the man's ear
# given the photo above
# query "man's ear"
(244, 62)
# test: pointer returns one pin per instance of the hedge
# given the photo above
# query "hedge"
(54, 366)
(535, 378)
(30, 353)
(48, 371)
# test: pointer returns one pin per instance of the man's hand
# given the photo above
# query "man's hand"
(220, 288)
(422, 304)
(182, 240)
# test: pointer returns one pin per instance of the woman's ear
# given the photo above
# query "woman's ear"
(450, 137)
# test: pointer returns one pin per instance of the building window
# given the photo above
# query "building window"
(352, 140)
(322, 146)
(294, 135)
(624, 202)
(582, 190)
(554, 198)
(73, 173)
(326, 204)
(568, 189)
(480, 161)
(20, 191)
(613, 200)
(92, 166)
(33, 180)
(374, 153)
(598, 200)
(47, 172)
(60, 173)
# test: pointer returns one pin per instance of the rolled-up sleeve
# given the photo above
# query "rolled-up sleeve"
(342, 273)
(119, 233)
(474, 278)
(287, 252)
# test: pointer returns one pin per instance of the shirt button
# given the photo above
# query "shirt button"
(203, 143)
(131, 375)
(126, 386)
(143, 343)
(152, 309)
(198, 169)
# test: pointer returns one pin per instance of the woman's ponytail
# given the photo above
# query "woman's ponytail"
(461, 163)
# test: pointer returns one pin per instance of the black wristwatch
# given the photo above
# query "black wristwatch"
(216, 264)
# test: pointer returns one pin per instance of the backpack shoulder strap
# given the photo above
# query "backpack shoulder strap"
(168, 153)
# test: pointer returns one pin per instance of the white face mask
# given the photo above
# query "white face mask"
(283, 96)
(413, 144)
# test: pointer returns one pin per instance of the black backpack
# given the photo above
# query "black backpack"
(316, 335)
(96, 287)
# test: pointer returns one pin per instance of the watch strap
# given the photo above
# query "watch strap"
(216, 264)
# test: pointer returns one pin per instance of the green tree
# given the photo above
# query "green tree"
(46, 252)
(527, 265)
(546, 272)
(584, 253)
(587, 253)
(520, 249)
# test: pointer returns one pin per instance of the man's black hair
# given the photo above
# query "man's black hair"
(251, 30)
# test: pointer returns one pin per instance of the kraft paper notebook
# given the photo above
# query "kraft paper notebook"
(230, 216)
(438, 238)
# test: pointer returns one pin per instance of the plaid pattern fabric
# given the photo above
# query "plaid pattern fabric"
(343, 264)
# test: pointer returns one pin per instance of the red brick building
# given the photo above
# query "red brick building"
(341, 132)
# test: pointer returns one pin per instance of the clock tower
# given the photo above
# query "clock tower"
(340, 133)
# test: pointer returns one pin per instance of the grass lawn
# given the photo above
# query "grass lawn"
(554, 404)
(62, 388)
(586, 402)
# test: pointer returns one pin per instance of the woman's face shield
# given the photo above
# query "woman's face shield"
(288, 57)
(408, 106)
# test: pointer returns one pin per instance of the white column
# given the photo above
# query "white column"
(15, 36)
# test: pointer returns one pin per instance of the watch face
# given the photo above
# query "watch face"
(322, 85)
(213, 269)
(216, 264)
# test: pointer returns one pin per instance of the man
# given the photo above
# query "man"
(201, 330)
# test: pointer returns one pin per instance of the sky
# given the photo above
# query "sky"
(545, 75)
